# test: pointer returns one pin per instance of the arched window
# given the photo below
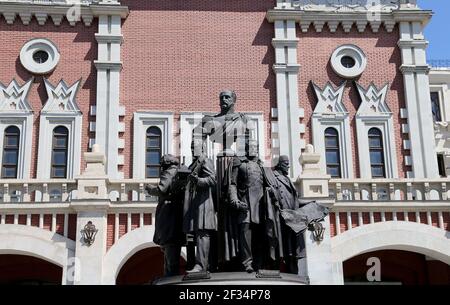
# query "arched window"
(59, 152)
(376, 153)
(333, 157)
(153, 150)
(10, 152)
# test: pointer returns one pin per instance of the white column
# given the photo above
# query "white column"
(286, 69)
(89, 259)
(417, 96)
(108, 65)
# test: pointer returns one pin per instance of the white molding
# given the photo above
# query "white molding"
(48, 122)
(24, 121)
(39, 44)
(374, 112)
(84, 11)
(352, 51)
(331, 112)
(142, 120)
(61, 109)
(15, 110)
(286, 71)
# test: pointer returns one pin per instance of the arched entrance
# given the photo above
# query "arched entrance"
(397, 267)
(28, 270)
(144, 267)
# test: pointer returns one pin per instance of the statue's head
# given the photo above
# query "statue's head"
(169, 160)
(198, 146)
(252, 148)
(283, 164)
(227, 100)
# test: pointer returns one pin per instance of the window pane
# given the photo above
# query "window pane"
(9, 172)
(435, 106)
(333, 171)
(59, 157)
(376, 157)
(152, 172)
(61, 142)
(12, 141)
(377, 171)
(152, 158)
(153, 142)
(58, 172)
(332, 157)
(153, 131)
(331, 142)
(375, 142)
(10, 157)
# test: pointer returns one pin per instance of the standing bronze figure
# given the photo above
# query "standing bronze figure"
(199, 204)
(169, 214)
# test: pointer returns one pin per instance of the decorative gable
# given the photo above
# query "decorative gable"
(61, 98)
(373, 100)
(14, 98)
(330, 99)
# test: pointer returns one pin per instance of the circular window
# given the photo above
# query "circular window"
(39, 56)
(348, 61)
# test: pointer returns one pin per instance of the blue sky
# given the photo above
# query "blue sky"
(437, 31)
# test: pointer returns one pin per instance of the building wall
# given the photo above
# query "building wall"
(177, 56)
(78, 50)
(383, 62)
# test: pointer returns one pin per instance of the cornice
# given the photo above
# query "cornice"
(318, 19)
(108, 65)
(57, 12)
(406, 69)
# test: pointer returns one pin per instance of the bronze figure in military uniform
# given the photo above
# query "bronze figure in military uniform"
(169, 214)
(199, 203)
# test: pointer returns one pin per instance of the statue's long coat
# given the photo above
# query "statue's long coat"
(199, 199)
(264, 214)
(169, 212)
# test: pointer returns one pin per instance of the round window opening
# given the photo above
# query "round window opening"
(40, 57)
(348, 62)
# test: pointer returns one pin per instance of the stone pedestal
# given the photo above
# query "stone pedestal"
(321, 268)
(91, 205)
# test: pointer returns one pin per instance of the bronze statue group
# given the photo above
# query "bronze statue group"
(247, 217)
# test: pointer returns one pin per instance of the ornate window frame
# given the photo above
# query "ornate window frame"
(374, 112)
(331, 112)
(142, 120)
(61, 109)
(15, 110)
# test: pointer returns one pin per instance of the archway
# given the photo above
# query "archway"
(144, 267)
(27, 241)
(392, 235)
(22, 269)
(133, 249)
(396, 267)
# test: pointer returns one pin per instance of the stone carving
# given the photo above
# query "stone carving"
(61, 98)
(346, 5)
(14, 97)
(373, 99)
(330, 99)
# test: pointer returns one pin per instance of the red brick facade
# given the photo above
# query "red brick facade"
(383, 62)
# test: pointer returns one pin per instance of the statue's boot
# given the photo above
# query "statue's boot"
(197, 268)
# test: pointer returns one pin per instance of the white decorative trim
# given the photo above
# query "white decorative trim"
(353, 52)
(36, 45)
(142, 120)
(374, 112)
(61, 109)
(331, 112)
(15, 110)
(82, 11)
(286, 71)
